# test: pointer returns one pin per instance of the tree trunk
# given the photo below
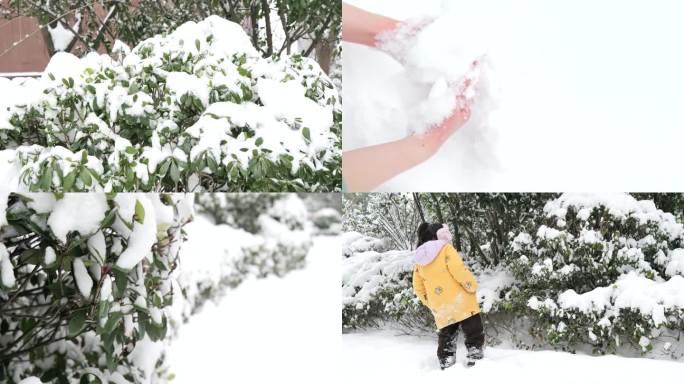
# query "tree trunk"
(419, 207)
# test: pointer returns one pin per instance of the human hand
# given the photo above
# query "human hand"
(398, 40)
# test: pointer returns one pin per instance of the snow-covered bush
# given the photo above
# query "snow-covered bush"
(197, 110)
(601, 269)
(269, 234)
(377, 287)
(86, 284)
(355, 242)
(328, 221)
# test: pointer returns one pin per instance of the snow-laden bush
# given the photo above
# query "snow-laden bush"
(272, 236)
(328, 221)
(355, 242)
(602, 269)
(378, 286)
(197, 110)
(86, 284)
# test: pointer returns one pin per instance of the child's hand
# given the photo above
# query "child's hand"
(433, 139)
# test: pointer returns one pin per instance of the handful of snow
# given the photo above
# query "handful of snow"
(196, 110)
(442, 68)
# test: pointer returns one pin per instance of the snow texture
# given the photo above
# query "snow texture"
(7, 277)
(63, 219)
(143, 235)
(387, 356)
(83, 280)
(238, 327)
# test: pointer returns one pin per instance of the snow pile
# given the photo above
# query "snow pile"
(84, 254)
(198, 109)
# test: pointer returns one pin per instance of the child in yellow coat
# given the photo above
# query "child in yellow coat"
(445, 285)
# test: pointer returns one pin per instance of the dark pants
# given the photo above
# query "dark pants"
(474, 340)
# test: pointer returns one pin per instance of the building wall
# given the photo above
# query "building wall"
(30, 55)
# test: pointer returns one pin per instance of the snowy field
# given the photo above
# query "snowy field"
(388, 356)
(590, 96)
(267, 330)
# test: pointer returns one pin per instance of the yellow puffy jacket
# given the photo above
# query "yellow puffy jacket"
(444, 284)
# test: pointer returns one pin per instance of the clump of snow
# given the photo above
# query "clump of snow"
(143, 235)
(50, 256)
(83, 280)
(62, 220)
(620, 205)
(6, 268)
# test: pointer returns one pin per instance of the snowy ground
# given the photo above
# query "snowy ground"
(275, 329)
(384, 355)
(590, 100)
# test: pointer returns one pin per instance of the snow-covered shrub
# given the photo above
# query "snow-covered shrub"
(327, 221)
(377, 287)
(269, 234)
(355, 242)
(86, 284)
(601, 269)
(197, 110)
(240, 210)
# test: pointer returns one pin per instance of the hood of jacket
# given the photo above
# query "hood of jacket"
(428, 251)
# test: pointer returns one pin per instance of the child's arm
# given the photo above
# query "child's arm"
(419, 287)
(361, 27)
(459, 271)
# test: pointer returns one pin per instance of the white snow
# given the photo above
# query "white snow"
(142, 237)
(630, 291)
(106, 289)
(676, 264)
(61, 35)
(83, 280)
(98, 247)
(50, 256)
(267, 330)
(566, 102)
(387, 356)
(6, 268)
(91, 206)
(31, 380)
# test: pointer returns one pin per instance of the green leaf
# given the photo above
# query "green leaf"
(174, 172)
(139, 212)
(259, 141)
(307, 133)
(76, 323)
(197, 44)
(85, 177)
(69, 180)
(109, 219)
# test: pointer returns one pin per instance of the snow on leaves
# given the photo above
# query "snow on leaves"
(197, 110)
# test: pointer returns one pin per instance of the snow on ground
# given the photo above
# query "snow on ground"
(273, 329)
(586, 87)
(387, 356)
